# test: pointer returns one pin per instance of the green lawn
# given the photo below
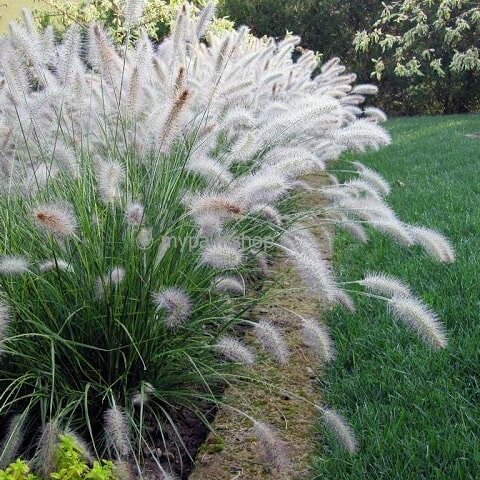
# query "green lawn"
(416, 412)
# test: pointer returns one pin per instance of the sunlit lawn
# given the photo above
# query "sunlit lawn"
(416, 412)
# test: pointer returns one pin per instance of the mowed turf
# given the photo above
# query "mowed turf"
(416, 412)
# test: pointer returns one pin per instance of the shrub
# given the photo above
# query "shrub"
(433, 43)
(142, 188)
(158, 17)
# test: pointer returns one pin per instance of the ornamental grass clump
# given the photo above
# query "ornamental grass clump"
(142, 189)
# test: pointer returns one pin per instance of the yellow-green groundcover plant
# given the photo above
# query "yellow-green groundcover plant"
(71, 464)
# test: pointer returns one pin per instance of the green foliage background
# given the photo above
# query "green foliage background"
(329, 26)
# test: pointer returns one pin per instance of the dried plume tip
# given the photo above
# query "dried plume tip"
(176, 303)
(413, 313)
(338, 426)
(236, 351)
(56, 218)
(116, 431)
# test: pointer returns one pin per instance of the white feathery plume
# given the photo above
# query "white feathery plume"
(272, 340)
(45, 455)
(344, 299)
(81, 444)
(354, 228)
(205, 18)
(381, 284)
(376, 113)
(229, 284)
(317, 337)
(315, 273)
(13, 265)
(268, 212)
(262, 187)
(236, 351)
(5, 318)
(117, 431)
(110, 280)
(375, 179)
(222, 255)
(102, 54)
(144, 238)
(413, 313)
(110, 176)
(143, 396)
(434, 243)
(212, 171)
(397, 230)
(358, 186)
(272, 447)
(134, 214)
(365, 89)
(56, 264)
(220, 205)
(338, 426)
(176, 303)
(56, 218)
(12, 438)
(133, 11)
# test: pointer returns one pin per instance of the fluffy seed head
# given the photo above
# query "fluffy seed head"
(222, 255)
(116, 276)
(176, 303)
(11, 440)
(57, 219)
(134, 214)
(46, 451)
(375, 179)
(434, 243)
(144, 238)
(133, 11)
(232, 285)
(57, 264)
(5, 318)
(13, 265)
(116, 431)
(81, 444)
(236, 351)
(417, 316)
(387, 285)
(317, 337)
(110, 176)
(272, 448)
(272, 340)
(338, 426)
(345, 300)
(110, 280)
